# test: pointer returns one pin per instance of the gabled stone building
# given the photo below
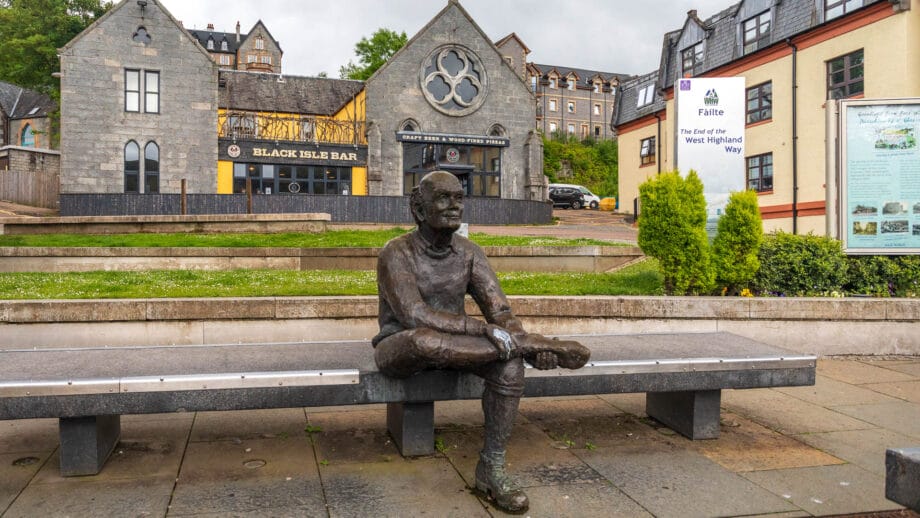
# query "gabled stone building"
(449, 100)
(138, 106)
(254, 51)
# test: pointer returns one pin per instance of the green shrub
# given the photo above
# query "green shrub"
(883, 276)
(672, 229)
(800, 265)
(737, 243)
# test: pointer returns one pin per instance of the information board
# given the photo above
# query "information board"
(880, 176)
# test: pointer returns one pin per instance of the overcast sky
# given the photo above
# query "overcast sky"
(621, 36)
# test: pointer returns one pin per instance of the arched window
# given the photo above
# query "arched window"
(151, 168)
(409, 125)
(132, 166)
(497, 130)
(27, 139)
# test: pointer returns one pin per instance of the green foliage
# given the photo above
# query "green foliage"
(883, 276)
(737, 243)
(672, 229)
(593, 163)
(800, 265)
(373, 53)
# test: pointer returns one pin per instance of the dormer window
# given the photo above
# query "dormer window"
(552, 82)
(756, 32)
(835, 8)
(260, 43)
(692, 60)
(646, 95)
(210, 44)
(223, 46)
(597, 88)
(572, 83)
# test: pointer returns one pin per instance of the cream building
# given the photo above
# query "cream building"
(794, 56)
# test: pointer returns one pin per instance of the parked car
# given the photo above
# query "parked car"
(592, 200)
(567, 197)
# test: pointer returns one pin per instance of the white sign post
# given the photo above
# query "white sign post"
(710, 136)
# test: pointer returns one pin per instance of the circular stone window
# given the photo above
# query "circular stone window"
(453, 80)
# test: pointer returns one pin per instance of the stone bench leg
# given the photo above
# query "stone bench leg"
(694, 415)
(412, 427)
(86, 443)
(902, 476)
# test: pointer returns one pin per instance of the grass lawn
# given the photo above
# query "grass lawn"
(329, 239)
(639, 279)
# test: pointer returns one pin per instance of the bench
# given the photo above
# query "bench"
(902, 476)
(88, 389)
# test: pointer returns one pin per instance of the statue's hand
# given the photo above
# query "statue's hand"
(502, 340)
(545, 360)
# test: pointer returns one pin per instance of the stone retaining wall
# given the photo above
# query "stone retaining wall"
(863, 326)
(502, 258)
(207, 223)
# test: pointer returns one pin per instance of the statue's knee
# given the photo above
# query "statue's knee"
(426, 343)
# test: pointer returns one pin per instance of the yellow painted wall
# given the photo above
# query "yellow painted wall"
(224, 177)
(348, 112)
(632, 173)
(359, 181)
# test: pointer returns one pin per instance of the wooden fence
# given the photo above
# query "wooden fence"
(35, 188)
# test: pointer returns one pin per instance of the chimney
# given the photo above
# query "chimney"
(237, 31)
(691, 13)
(210, 26)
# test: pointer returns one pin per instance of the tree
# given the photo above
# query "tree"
(373, 53)
(737, 243)
(593, 163)
(672, 229)
(31, 31)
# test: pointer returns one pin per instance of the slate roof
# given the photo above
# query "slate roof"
(19, 103)
(252, 91)
(626, 109)
(584, 75)
(723, 45)
(232, 45)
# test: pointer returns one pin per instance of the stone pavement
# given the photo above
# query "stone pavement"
(783, 452)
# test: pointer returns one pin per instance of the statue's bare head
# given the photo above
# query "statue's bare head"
(437, 202)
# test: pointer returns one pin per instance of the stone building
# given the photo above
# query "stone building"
(254, 51)
(449, 100)
(24, 117)
(138, 106)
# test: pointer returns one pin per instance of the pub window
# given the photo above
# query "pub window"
(132, 90)
(260, 43)
(478, 168)
(647, 151)
(151, 168)
(760, 172)
(756, 32)
(759, 102)
(835, 8)
(27, 138)
(845, 76)
(151, 92)
(132, 167)
(692, 60)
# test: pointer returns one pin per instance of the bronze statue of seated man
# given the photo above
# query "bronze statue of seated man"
(422, 278)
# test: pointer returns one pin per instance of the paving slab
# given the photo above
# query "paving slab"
(414, 487)
(857, 372)
(744, 445)
(829, 392)
(147, 449)
(270, 476)
(16, 471)
(351, 437)
(84, 496)
(668, 481)
(249, 424)
(533, 458)
(865, 448)
(601, 500)
(787, 414)
(902, 416)
(28, 435)
(912, 367)
(629, 403)
(905, 390)
(827, 490)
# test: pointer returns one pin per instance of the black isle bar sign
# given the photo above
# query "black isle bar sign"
(267, 152)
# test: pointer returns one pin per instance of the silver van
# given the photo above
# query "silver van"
(592, 201)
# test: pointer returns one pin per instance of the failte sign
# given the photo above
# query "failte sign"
(710, 136)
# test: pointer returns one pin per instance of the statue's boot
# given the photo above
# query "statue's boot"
(492, 481)
(569, 353)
